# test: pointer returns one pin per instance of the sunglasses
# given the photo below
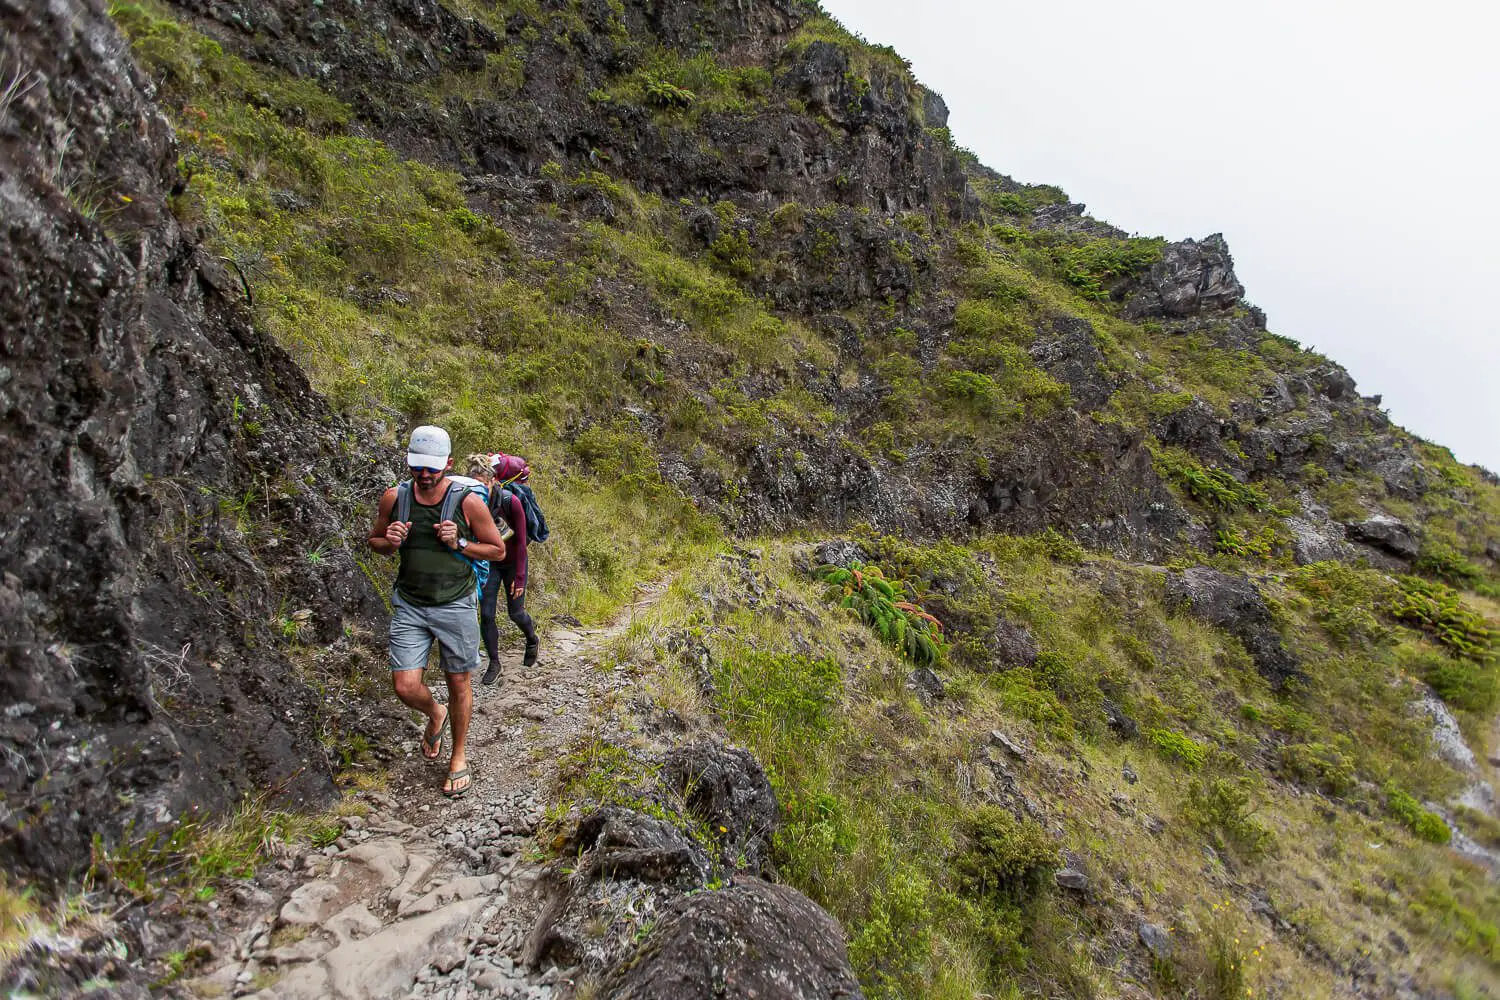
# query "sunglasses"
(415, 469)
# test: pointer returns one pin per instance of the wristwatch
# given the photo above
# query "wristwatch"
(463, 543)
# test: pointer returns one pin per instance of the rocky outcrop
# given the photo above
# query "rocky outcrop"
(1191, 278)
(1233, 604)
(752, 939)
(727, 790)
(1386, 534)
(627, 844)
(178, 470)
(1068, 352)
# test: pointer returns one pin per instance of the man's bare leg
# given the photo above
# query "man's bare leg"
(460, 706)
(414, 694)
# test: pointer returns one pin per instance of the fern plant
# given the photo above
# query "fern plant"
(1438, 611)
(665, 94)
(864, 592)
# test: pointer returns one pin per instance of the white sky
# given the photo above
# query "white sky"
(1346, 150)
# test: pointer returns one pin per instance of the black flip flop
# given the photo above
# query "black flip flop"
(435, 743)
(458, 793)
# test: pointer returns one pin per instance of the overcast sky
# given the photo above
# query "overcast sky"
(1346, 150)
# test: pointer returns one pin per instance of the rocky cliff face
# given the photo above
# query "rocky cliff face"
(146, 417)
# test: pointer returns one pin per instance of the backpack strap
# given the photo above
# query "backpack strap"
(402, 510)
(451, 501)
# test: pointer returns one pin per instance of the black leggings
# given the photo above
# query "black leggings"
(502, 575)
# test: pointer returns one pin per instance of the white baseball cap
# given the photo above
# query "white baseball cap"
(429, 448)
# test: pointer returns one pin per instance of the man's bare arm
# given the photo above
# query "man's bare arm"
(487, 543)
(387, 535)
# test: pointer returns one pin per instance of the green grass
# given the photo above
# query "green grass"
(887, 820)
(195, 853)
(19, 916)
(682, 88)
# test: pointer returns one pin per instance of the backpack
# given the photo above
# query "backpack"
(536, 524)
(458, 488)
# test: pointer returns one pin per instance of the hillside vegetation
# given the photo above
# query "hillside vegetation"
(1124, 674)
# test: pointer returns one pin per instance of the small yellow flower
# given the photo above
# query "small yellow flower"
(723, 829)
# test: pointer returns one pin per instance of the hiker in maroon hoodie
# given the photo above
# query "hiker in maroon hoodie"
(510, 572)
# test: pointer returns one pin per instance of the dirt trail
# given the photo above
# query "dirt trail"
(426, 897)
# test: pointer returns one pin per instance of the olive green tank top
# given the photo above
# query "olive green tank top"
(430, 573)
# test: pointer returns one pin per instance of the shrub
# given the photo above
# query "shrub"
(788, 217)
(1448, 564)
(1231, 541)
(1002, 865)
(893, 944)
(1024, 696)
(1003, 858)
(1427, 825)
(1060, 548)
(1221, 808)
(1344, 600)
(617, 452)
(1437, 610)
(1318, 765)
(731, 253)
(1175, 746)
(974, 388)
(1165, 403)
(1462, 683)
(1087, 266)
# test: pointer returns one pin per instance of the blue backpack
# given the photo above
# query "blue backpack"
(458, 488)
(536, 524)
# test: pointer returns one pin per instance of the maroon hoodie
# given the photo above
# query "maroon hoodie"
(514, 513)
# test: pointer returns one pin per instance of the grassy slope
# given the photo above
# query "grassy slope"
(889, 803)
(403, 303)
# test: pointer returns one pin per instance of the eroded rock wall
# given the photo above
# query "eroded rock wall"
(171, 471)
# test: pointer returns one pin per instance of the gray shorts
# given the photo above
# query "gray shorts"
(455, 627)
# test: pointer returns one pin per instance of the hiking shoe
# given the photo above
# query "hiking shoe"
(492, 674)
(530, 658)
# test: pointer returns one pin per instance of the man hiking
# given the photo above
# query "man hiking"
(434, 597)
(509, 573)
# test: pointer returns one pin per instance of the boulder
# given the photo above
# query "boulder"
(1233, 604)
(1386, 533)
(1071, 878)
(753, 939)
(1447, 739)
(628, 844)
(132, 372)
(1196, 426)
(1156, 939)
(1312, 543)
(838, 552)
(1010, 746)
(1119, 721)
(1012, 645)
(927, 685)
(728, 790)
